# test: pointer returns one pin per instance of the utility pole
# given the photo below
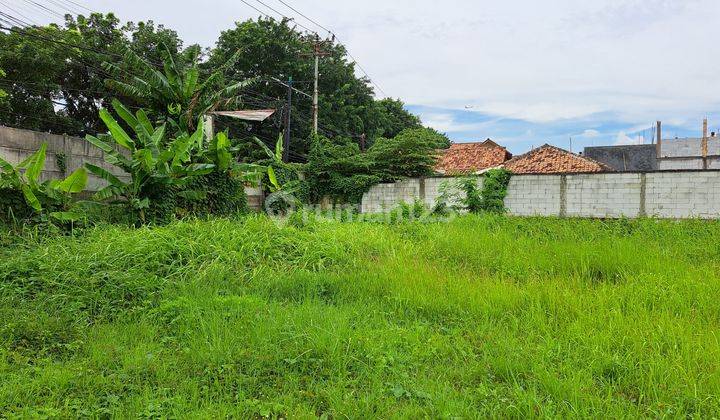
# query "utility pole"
(705, 143)
(658, 144)
(288, 107)
(362, 142)
(316, 54)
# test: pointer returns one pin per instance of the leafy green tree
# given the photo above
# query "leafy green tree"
(154, 163)
(3, 94)
(271, 49)
(166, 169)
(412, 153)
(55, 81)
(394, 118)
(336, 169)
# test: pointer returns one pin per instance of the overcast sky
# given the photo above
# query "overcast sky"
(523, 72)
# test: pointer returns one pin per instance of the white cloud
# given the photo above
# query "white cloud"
(624, 139)
(590, 134)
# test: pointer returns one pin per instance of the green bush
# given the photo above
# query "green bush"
(494, 190)
(337, 169)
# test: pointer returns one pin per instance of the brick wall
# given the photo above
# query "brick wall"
(677, 194)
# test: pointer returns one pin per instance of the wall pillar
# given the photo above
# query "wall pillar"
(563, 196)
(643, 195)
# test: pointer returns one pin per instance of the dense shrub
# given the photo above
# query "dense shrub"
(339, 170)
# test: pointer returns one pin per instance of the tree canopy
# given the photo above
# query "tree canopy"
(55, 77)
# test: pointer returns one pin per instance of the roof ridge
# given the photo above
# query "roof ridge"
(569, 154)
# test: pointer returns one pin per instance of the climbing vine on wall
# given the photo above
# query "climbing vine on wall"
(494, 190)
(490, 198)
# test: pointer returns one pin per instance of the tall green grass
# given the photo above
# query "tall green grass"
(483, 316)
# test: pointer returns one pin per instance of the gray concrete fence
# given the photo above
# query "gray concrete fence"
(674, 194)
(71, 152)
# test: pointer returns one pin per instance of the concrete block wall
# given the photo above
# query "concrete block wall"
(603, 195)
(683, 194)
(534, 195)
(386, 197)
(680, 164)
(677, 194)
(16, 145)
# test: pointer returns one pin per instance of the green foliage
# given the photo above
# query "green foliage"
(3, 94)
(465, 191)
(186, 174)
(178, 94)
(154, 163)
(483, 317)
(393, 118)
(473, 199)
(40, 70)
(338, 170)
(281, 176)
(495, 184)
(412, 153)
(50, 198)
(61, 161)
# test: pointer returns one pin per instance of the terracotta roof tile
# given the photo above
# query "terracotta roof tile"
(549, 159)
(465, 158)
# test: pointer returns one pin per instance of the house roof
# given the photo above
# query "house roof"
(467, 158)
(549, 159)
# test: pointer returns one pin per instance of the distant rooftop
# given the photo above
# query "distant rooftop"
(468, 158)
(549, 159)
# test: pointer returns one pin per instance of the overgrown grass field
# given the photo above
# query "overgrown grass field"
(483, 316)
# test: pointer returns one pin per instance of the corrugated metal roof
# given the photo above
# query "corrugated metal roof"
(247, 115)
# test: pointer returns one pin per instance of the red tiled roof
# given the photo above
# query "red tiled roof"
(549, 159)
(465, 158)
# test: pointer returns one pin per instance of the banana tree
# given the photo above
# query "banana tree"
(41, 196)
(277, 159)
(152, 161)
(176, 92)
(220, 153)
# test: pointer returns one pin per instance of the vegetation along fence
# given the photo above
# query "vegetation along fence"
(66, 154)
(668, 194)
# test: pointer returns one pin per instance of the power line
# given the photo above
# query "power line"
(79, 5)
(64, 6)
(293, 20)
(12, 20)
(347, 51)
(44, 8)
(307, 18)
(18, 12)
